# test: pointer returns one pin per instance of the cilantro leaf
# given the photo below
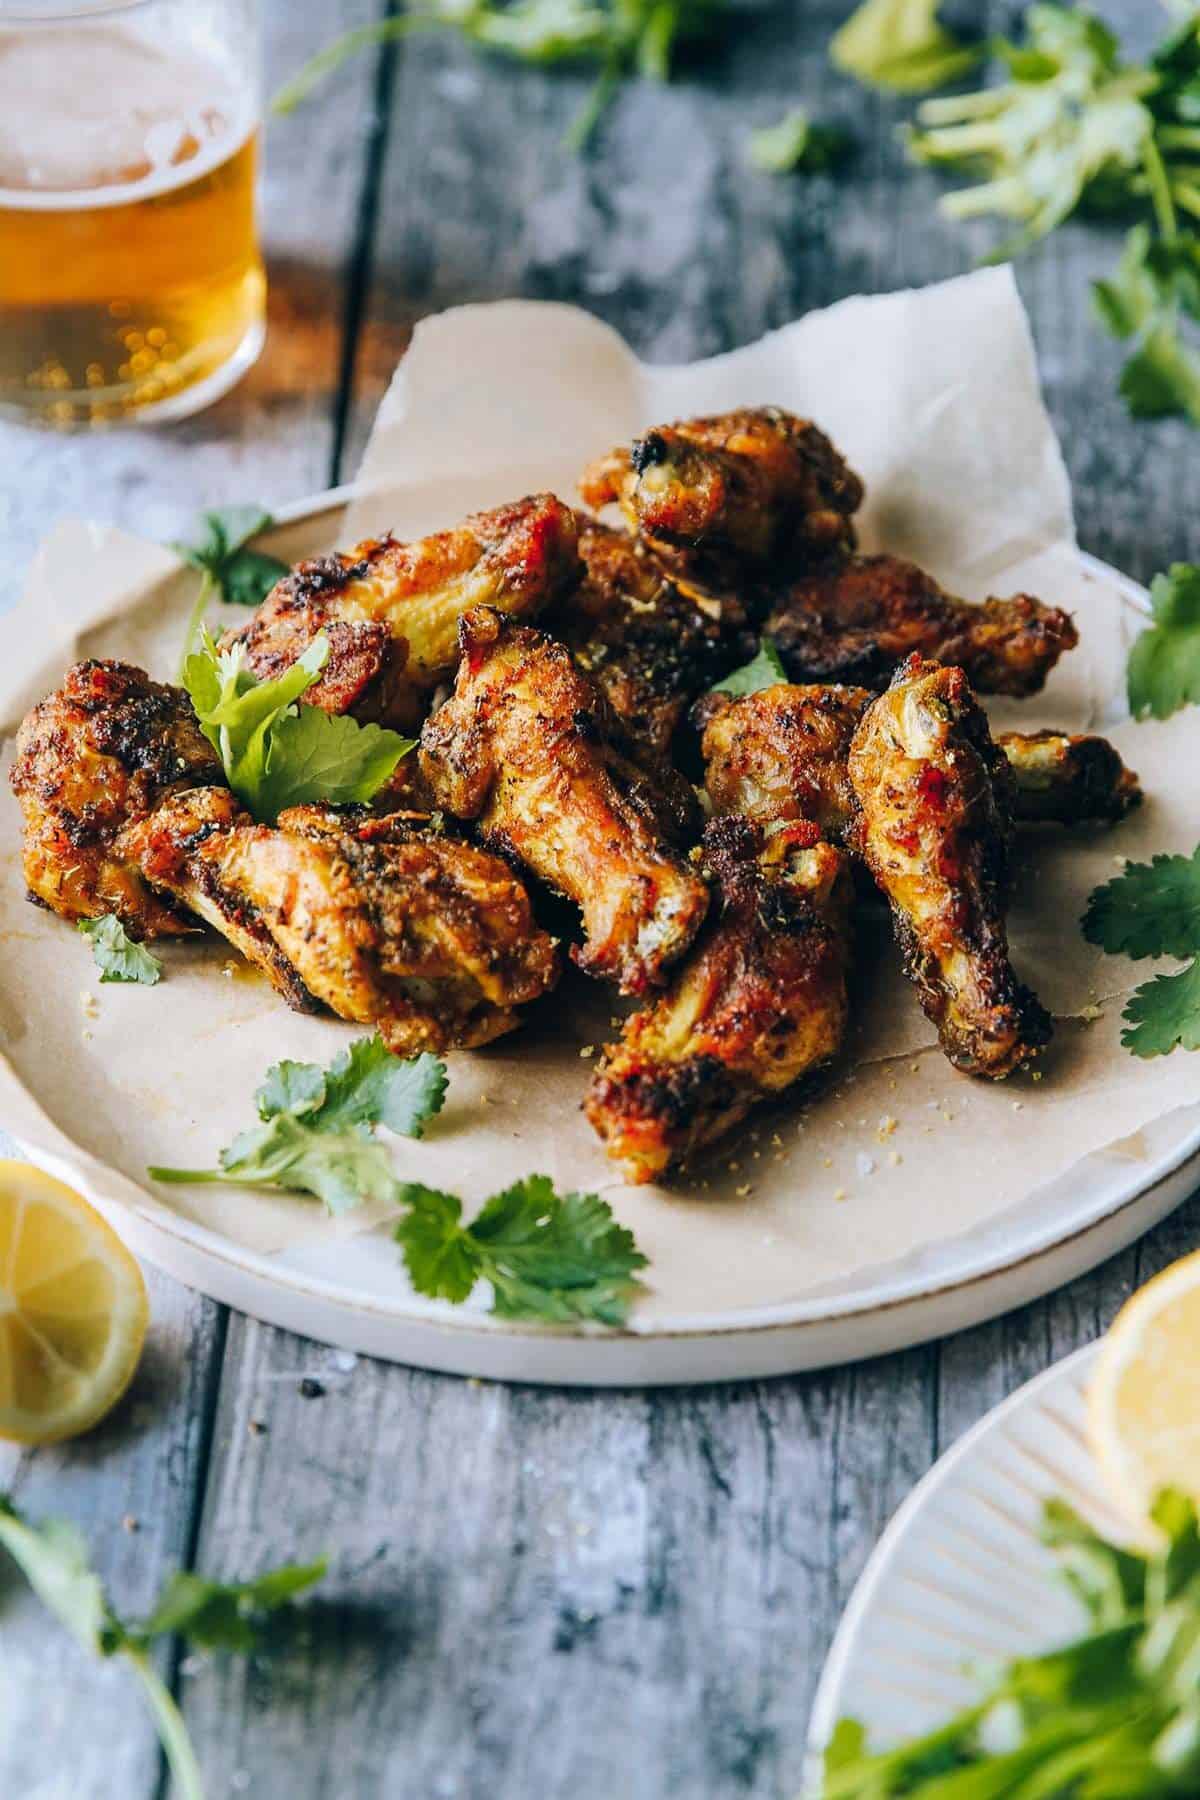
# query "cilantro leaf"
(314, 754)
(273, 754)
(765, 671)
(550, 1257)
(796, 143)
(1164, 664)
(1164, 1013)
(1157, 281)
(213, 1614)
(1150, 909)
(118, 958)
(315, 1131)
(241, 576)
(900, 44)
(224, 1615)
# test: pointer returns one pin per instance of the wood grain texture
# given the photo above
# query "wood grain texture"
(542, 1592)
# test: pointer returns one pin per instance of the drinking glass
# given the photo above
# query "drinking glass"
(131, 283)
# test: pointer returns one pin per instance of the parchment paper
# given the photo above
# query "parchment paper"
(933, 396)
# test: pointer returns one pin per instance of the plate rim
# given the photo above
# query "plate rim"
(894, 1299)
(827, 1703)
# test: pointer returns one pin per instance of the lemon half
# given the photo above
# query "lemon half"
(1144, 1397)
(73, 1310)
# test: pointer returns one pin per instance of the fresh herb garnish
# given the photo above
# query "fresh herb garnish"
(1111, 1714)
(275, 752)
(227, 565)
(1153, 909)
(765, 671)
(901, 45)
(316, 1130)
(797, 144)
(1164, 664)
(622, 38)
(549, 1257)
(210, 1614)
(118, 958)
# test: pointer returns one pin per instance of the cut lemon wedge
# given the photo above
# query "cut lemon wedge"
(73, 1310)
(1144, 1399)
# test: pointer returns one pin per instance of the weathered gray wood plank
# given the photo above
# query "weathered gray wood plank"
(84, 1732)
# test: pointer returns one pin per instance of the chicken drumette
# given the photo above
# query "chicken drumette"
(781, 754)
(106, 748)
(856, 620)
(744, 495)
(933, 825)
(390, 611)
(383, 920)
(527, 747)
(759, 1003)
(649, 648)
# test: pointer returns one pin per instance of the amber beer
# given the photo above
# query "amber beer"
(130, 279)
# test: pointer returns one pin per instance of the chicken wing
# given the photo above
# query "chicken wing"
(382, 920)
(858, 618)
(649, 648)
(106, 748)
(759, 1003)
(527, 746)
(934, 828)
(781, 754)
(733, 496)
(390, 611)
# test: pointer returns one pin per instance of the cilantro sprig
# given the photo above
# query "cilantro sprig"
(798, 144)
(1164, 664)
(621, 39)
(228, 566)
(316, 1128)
(1113, 1713)
(1153, 909)
(551, 1257)
(211, 1615)
(116, 955)
(764, 671)
(275, 751)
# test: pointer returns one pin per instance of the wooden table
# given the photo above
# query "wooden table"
(559, 1593)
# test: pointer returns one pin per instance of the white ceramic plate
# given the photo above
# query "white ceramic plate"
(960, 1575)
(347, 1292)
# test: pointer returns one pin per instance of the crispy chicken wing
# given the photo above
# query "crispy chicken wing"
(649, 648)
(737, 495)
(390, 611)
(781, 754)
(859, 617)
(384, 921)
(759, 1003)
(106, 748)
(527, 746)
(934, 828)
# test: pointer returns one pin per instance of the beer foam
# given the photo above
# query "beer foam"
(105, 116)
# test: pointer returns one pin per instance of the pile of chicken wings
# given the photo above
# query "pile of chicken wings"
(560, 673)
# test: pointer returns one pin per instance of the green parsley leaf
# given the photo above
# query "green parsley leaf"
(549, 1257)
(795, 143)
(1164, 663)
(1164, 1013)
(1161, 380)
(900, 44)
(315, 1136)
(225, 1615)
(275, 754)
(211, 1614)
(118, 958)
(1150, 909)
(242, 576)
(765, 671)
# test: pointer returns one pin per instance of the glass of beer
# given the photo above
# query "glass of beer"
(131, 285)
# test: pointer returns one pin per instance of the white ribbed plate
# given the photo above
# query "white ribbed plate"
(961, 1576)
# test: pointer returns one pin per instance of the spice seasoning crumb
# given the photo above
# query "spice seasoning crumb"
(311, 1390)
